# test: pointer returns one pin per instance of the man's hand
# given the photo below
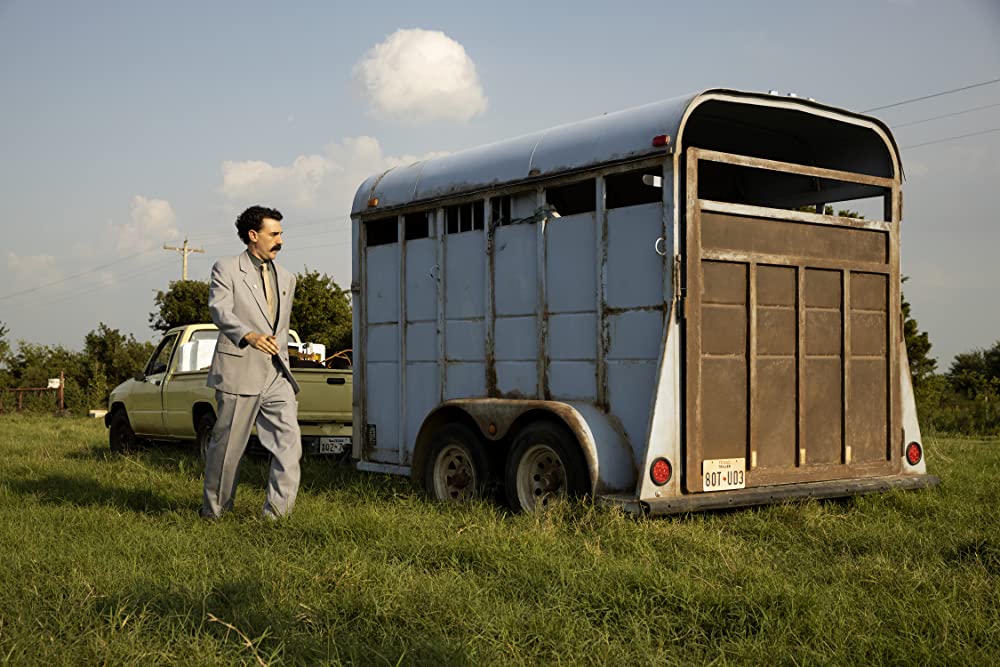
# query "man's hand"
(266, 344)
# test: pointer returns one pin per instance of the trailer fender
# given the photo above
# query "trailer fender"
(601, 439)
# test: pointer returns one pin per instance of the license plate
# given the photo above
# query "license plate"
(337, 444)
(722, 474)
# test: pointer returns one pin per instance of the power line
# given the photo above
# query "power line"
(947, 115)
(941, 141)
(927, 97)
(75, 275)
(157, 266)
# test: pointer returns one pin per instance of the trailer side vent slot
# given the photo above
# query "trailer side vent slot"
(630, 189)
(464, 217)
(382, 231)
(500, 207)
(574, 198)
(416, 226)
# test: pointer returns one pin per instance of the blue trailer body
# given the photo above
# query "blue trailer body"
(547, 275)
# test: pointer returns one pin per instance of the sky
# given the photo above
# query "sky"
(128, 125)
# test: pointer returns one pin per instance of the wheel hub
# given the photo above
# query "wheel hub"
(541, 476)
(454, 475)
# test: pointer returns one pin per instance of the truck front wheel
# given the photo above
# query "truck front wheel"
(206, 424)
(121, 437)
(457, 470)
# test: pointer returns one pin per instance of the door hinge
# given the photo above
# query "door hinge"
(679, 292)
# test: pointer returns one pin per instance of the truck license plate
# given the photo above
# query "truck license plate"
(722, 474)
(336, 444)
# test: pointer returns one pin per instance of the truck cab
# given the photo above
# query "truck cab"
(169, 399)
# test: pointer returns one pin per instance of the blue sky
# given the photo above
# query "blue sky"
(119, 120)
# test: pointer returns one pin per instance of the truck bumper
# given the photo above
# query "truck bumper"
(767, 495)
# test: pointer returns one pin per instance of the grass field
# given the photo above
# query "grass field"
(104, 561)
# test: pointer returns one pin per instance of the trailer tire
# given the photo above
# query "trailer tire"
(206, 424)
(121, 437)
(544, 463)
(457, 468)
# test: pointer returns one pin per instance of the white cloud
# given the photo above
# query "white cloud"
(323, 182)
(299, 181)
(153, 222)
(31, 271)
(421, 75)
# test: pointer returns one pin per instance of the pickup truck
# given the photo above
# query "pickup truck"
(168, 399)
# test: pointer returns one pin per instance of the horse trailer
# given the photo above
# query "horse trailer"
(655, 308)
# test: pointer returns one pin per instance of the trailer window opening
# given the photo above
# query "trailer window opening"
(862, 209)
(416, 226)
(464, 217)
(737, 184)
(500, 211)
(572, 199)
(632, 189)
(382, 231)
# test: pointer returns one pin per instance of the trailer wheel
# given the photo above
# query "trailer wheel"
(544, 463)
(206, 423)
(457, 469)
(121, 437)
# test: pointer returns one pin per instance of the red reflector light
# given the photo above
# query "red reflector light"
(914, 453)
(660, 471)
(661, 140)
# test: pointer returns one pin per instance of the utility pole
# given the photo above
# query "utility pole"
(184, 251)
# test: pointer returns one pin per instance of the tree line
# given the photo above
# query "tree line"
(963, 400)
(321, 313)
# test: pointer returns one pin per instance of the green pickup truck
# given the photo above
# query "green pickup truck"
(169, 400)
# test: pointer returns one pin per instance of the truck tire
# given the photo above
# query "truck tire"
(544, 463)
(121, 437)
(206, 424)
(457, 468)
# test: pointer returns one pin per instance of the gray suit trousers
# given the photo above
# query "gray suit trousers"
(275, 413)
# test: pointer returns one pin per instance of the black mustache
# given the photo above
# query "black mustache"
(277, 247)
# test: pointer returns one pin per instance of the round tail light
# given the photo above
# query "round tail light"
(914, 453)
(661, 471)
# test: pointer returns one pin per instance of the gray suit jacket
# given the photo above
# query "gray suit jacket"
(238, 306)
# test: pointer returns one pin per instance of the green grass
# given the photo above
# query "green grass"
(104, 561)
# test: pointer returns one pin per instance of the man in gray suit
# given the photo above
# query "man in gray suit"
(250, 299)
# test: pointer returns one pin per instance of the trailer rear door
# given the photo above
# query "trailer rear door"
(791, 337)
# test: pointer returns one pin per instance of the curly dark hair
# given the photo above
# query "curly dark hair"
(253, 218)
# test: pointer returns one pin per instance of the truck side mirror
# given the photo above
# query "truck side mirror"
(139, 377)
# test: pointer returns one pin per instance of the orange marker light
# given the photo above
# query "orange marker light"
(373, 202)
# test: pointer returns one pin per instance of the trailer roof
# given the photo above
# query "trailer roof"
(613, 137)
